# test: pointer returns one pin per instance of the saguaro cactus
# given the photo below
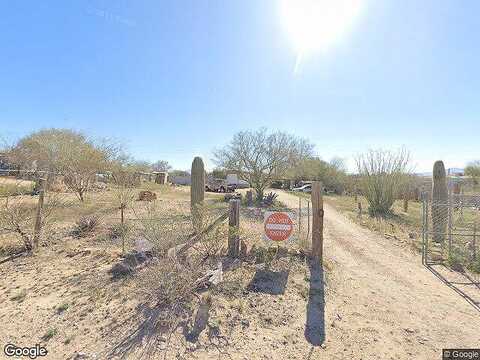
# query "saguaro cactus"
(439, 202)
(197, 192)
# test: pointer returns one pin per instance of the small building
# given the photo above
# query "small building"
(160, 177)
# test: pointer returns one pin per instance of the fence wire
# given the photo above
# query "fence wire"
(451, 232)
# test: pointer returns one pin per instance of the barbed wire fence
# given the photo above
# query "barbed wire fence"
(117, 217)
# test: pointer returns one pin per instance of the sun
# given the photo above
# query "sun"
(316, 25)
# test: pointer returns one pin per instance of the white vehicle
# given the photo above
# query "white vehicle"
(305, 188)
(235, 182)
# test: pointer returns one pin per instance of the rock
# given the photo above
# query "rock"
(80, 355)
(120, 270)
(132, 262)
(147, 196)
(143, 245)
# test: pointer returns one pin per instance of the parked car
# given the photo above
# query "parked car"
(218, 185)
(305, 188)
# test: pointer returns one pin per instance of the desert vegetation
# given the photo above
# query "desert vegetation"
(261, 156)
(151, 267)
(382, 174)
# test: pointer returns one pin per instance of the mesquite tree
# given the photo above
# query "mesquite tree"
(259, 157)
(63, 152)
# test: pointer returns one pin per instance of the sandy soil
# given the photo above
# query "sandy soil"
(377, 302)
(391, 307)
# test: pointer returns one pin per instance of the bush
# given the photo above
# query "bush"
(475, 266)
(118, 230)
(455, 260)
(86, 225)
(382, 174)
(269, 199)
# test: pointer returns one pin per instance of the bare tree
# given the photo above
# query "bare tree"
(261, 156)
(18, 214)
(161, 165)
(382, 176)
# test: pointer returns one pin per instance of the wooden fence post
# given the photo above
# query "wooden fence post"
(299, 216)
(233, 227)
(249, 198)
(38, 217)
(317, 223)
(308, 220)
(122, 226)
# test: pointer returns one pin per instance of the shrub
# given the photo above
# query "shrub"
(269, 199)
(455, 260)
(382, 173)
(118, 230)
(86, 225)
(475, 265)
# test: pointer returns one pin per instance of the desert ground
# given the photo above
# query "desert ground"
(372, 299)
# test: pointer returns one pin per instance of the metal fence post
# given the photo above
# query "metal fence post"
(426, 227)
(423, 230)
(450, 221)
(474, 243)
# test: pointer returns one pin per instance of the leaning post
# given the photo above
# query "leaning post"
(317, 223)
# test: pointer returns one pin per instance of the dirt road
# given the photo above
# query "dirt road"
(383, 303)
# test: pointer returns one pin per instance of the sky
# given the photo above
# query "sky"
(176, 79)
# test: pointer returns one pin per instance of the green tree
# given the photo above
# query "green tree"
(63, 152)
(261, 156)
(473, 170)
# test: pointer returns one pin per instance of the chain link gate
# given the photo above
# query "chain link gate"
(451, 235)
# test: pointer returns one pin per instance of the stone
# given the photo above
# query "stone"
(143, 245)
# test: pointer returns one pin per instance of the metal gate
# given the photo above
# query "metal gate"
(451, 232)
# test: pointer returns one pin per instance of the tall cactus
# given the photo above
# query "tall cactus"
(439, 202)
(197, 192)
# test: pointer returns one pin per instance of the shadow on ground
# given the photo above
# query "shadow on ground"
(143, 337)
(315, 326)
(269, 282)
(474, 286)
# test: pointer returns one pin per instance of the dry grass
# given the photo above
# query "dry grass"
(12, 186)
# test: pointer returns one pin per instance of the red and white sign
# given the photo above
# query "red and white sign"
(278, 225)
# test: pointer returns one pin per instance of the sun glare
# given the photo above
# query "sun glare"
(315, 25)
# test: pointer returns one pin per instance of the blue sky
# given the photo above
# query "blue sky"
(175, 79)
